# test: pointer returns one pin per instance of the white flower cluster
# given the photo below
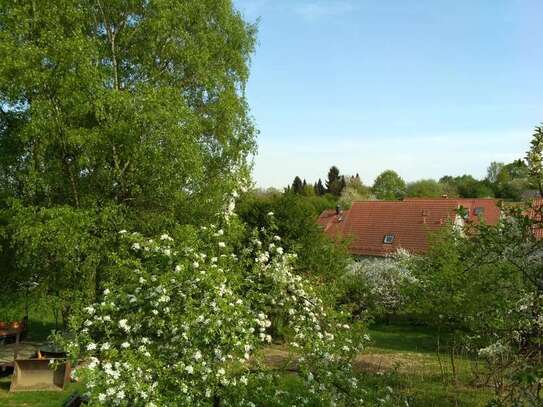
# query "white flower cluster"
(185, 322)
(383, 278)
(495, 350)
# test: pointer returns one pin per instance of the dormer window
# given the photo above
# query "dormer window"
(388, 239)
(479, 211)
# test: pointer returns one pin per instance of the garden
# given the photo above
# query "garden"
(140, 267)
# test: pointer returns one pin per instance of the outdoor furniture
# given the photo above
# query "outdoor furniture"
(51, 351)
(37, 375)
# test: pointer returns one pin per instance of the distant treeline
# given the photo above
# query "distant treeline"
(511, 182)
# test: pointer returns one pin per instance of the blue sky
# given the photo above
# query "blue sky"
(424, 87)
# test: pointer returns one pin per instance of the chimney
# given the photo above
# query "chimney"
(337, 210)
(425, 214)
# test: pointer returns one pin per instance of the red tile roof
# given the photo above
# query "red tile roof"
(478, 209)
(368, 222)
(330, 222)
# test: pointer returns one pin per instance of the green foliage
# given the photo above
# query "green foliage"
(425, 188)
(509, 181)
(335, 183)
(113, 113)
(320, 203)
(319, 188)
(455, 289)
(297, 186)
(468, 187)
(354, 190)
(61, 253)
(438, 295)
(184, 325)
(351, 194)
(487, 286)
(534, 159)
(133, 103)
(493, 171)
(389, 185)
(296, 222)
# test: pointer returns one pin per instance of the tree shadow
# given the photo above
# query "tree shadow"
(39, 331)
(406, 338)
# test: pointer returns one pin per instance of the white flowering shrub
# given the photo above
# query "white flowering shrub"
(374, 286)
(514, 363)
(184, 323)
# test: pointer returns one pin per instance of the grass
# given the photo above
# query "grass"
(34, 399)
(40, 324)
(402, 357)
(405, 338)
(406, 359)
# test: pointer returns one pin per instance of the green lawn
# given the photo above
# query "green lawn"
(406, 359)
(402, 357)
(34, 399)
(41, 323)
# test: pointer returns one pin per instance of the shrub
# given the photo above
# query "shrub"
(184, 323)
(373, 288)
(61, 252)
(296, 216)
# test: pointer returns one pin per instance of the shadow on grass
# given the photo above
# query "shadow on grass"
(5, 383)
(399, 338)
(39, 331)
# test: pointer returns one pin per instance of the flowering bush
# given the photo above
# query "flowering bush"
(185, 321)
(485, 286)
(514, 361)
(373, 287)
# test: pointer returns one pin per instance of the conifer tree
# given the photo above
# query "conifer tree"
(334, 183)
(297, 186)
(320, 188)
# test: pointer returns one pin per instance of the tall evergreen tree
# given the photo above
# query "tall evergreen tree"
(342, 184)
(297, 186)
(334, 184)
(320, 188)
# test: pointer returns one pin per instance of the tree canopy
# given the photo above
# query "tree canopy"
(335, 183)
(425, 188)
(115, 114)
(534, 159)
(133, 103)
(389, 185)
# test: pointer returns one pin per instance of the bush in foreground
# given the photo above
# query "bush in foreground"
(186, 318)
